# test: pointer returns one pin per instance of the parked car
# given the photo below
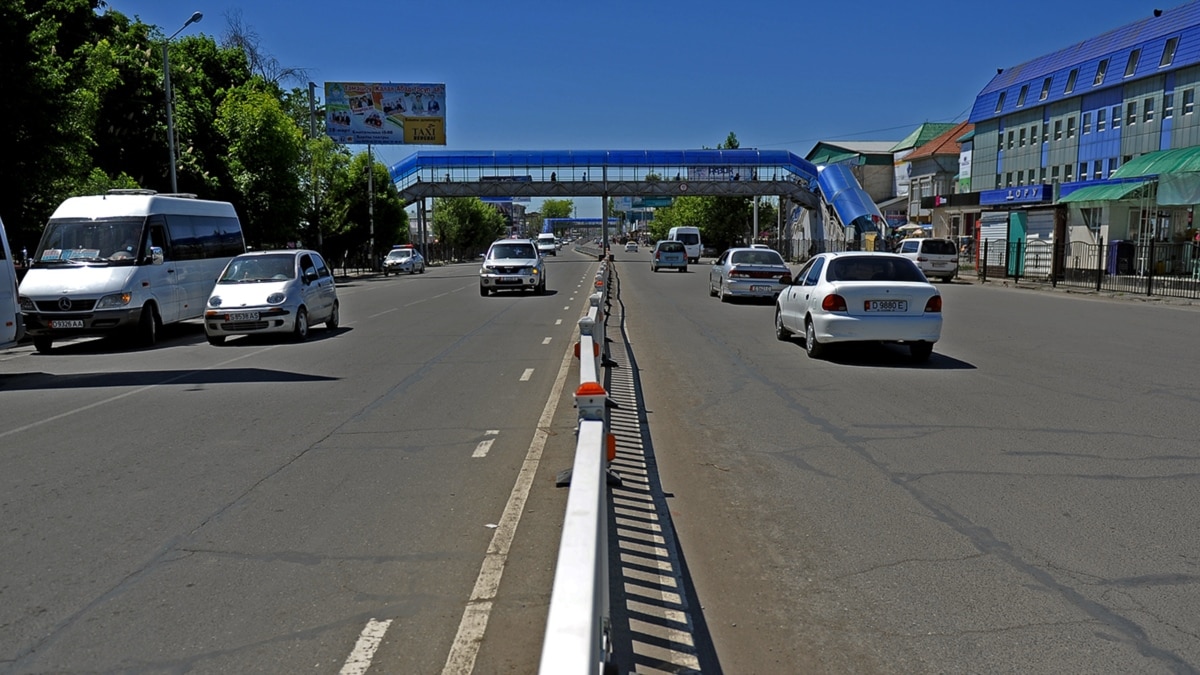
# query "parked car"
(272, 292)
(935, 257)
(669, 254)
(512, 264)
(403, 259)
(748, 273)
(860, 297)
(631, 247)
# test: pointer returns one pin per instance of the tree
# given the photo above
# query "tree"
(352, 219)
(557, 208)
(466, 224)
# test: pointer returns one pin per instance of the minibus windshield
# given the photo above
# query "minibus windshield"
(112, 241)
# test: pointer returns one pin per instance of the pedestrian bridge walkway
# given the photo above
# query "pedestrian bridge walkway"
(606, 173)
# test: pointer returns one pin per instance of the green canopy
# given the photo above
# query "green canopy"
(1104, 193)
(1180, 160)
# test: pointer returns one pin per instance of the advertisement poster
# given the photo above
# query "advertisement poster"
(385, 113)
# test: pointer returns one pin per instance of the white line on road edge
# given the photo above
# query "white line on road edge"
(527, 374)
(364, 650)
(461, 660)
(481, 450)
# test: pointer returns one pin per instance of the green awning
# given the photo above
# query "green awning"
(1180, 160)
(1104, 193)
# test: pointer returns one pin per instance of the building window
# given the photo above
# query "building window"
(1033, 135)
(1100, 73)
(1131, 114)
(1113, 163)
(1068, 176)
(1083, 174)
(1071, 81)
(1008, 179)
(1098, 169)
(1054, 174)
(1091, 217)
(1021, 96)
(1058, 130)
(1042, 178)
(1021, 177)
(1071, 127)
(1101, 116)
(1010, 139)
(1022, 141)
(1116, 117)
(1131, 65)
(1148, 111)
(1000, 102)
(1087, 123)
(1168, 54)
(1168, 105)
(1045, 89)
(1045, 133)
(1189, 101)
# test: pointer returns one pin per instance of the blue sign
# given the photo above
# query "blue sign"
(1026, 194)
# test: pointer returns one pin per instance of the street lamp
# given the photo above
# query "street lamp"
(167, 87)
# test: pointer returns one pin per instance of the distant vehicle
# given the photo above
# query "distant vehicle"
(748, 273)
(12, 327)
(403, 259)
(935, 257)
(128, 260)
(631, 247)
(670, 254)
(690, 236)
(546, 244)
(272, 292)
(860, 297)
(512, 264)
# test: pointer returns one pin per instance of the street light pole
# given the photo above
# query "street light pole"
(167, 88)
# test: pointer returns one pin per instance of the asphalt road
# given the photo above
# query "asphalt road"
(266, 506)
(1025, 502)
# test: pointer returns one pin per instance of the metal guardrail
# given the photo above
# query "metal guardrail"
(577, 639)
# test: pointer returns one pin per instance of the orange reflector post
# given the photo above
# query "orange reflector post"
(576, 350)
(590, 389)
(610, 446)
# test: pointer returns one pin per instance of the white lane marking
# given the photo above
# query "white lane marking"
(527, 374)
(461, 660)
(546, 341)
(558, 322)
(364, 650)
(568, 307)
(139, 390)
(481, 450)
(386, 311)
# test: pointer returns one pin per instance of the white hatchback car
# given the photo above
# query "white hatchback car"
(272, 292)
(860, 297)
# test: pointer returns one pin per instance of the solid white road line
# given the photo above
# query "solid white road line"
(364, 650)
(527, 374)
(461, 660)
(481, 450)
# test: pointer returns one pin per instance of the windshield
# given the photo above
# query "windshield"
(259, 268)
(399, 254)
(110, 241)
(873, 268)
(507, 251)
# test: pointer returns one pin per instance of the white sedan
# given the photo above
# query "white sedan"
(860, 297)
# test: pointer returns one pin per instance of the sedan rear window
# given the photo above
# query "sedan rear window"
(873, 268)
(756, 258)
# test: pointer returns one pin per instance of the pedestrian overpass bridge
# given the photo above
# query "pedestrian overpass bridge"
(636, 173)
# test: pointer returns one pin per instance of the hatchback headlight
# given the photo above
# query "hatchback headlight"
(114, 301)
(276, 298)
(214, 301)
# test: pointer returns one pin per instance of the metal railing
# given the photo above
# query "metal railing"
(577, 639)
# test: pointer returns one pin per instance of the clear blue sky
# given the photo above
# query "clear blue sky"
(652, 74)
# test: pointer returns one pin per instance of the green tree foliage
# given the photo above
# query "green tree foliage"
(351, 221)
(557, 208)
(466, 224)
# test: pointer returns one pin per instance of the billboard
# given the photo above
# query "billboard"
(385, 113)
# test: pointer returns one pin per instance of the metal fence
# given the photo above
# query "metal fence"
(1168, 269)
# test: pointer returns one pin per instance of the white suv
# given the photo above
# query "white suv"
(512, 264)
(935, 257)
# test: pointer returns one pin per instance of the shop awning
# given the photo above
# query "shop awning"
(1179, 160)
(1104, 193)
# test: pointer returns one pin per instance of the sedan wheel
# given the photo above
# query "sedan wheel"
(712, 290)
(814, 349)
(722, 294)
(334, 317)
(781, 333)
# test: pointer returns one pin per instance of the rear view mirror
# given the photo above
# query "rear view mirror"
(156, 255)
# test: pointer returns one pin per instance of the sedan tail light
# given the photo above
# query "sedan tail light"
(934, 304)
(785, 279)
(833, 303)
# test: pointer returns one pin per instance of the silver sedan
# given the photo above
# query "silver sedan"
(748, 273)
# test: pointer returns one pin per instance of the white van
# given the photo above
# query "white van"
(127, 260)
(12, 328)
(547, 244)
(690, 236)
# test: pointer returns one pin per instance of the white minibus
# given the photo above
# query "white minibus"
(11, 326)
(690, 236)
(128, 260)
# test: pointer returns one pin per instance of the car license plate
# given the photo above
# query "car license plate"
(67, 323)
(886, 305)
(242, 316)
(761, 289)
(510, 280)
